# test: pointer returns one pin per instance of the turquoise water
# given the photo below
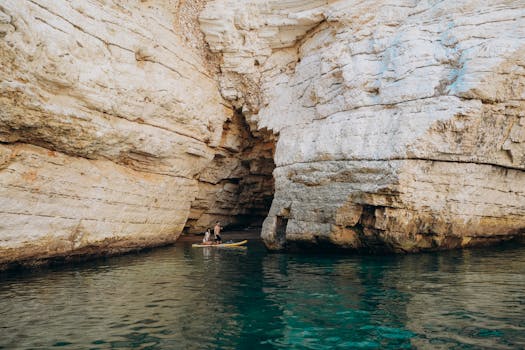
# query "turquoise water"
(188, 298)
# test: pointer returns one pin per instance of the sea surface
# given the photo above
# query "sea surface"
(207, 298)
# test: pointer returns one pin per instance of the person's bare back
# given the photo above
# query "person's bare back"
(217, 232)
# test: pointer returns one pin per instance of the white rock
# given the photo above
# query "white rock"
(368, 94)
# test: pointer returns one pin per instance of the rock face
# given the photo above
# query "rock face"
(392, 126)
(237, 188)
(401, 125)
(110, 125)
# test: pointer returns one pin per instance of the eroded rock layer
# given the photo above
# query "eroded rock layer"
(111, 121)
(401, 125)
(237, 188)
(393, 126)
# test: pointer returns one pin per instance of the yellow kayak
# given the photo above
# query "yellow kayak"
(234, 244)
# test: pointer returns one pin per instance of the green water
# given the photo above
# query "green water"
(188, 298)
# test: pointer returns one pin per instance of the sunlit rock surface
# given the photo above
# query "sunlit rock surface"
(400, 124)
(393, 125)
(110, 120)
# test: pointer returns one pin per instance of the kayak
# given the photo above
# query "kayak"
(234, 244)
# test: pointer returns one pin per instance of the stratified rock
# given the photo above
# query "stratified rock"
(54, 204)
(401, 125)
(237, 188)
(111, 117)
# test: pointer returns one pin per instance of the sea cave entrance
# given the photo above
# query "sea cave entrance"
(238, 187)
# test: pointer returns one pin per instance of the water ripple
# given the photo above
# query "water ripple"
(184, 298)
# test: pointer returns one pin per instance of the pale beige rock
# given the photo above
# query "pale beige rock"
(52, 203)
(106, 87)
(400, 124)
(112, 122)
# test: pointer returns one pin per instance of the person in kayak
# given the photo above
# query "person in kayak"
(207, 237)
(217, 232)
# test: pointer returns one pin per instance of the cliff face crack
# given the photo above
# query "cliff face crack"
(149, 59)
(389, 159)
(49, 24)
(76, 26)
(107, 43)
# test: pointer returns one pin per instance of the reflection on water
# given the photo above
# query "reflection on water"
(188, 298)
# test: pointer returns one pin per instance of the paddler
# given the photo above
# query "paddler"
(217, 232)
(207, 237)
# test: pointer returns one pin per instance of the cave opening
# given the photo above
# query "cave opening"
(237, 188)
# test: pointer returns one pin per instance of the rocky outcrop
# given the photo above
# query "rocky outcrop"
(111, 124)
(392, 126)
(401, 126)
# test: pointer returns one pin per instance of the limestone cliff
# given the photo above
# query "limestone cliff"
(110, 126)
(393, 125)
(400, 124)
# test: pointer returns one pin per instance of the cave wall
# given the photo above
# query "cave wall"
(400, 125)
(237, 187)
